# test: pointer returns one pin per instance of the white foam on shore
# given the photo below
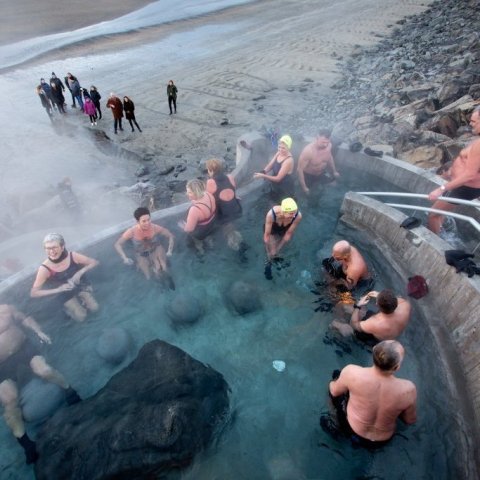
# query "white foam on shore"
(156, 13)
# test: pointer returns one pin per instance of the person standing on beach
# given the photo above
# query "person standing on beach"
(75, 89)
(90, 110)
(129, 108)
(95, 96)
(464, 181)
(57, 96)
(115, 104)
(172, 96)
(58, 83)
(45, 101)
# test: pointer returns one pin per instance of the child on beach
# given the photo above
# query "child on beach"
(90, 110)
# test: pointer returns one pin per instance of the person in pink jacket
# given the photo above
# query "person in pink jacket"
(90, 110)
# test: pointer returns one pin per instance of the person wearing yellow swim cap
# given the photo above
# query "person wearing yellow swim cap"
(280, 223)
(279, 171)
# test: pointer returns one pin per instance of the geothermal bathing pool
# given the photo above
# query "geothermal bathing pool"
(274, 432)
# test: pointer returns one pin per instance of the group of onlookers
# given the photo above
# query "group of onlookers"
(52, 98)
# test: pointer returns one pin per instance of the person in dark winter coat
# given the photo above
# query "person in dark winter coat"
(74, 86)
(57, 97)
(45, 101)
(95, 96)
(58, 83)
(115, 104)
(47, 89)
(129, 108)
(172, 96)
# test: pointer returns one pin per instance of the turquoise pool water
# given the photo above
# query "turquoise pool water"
(275, 431)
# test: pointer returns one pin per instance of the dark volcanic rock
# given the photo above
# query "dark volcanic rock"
(150, 418)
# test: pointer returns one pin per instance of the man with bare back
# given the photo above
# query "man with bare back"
(316, 165)
(464, 179)
(369, 400)
(19, 358)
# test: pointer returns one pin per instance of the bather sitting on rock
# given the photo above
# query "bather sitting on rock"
(201, 215)
(18, 359)
(315, 164)
(346, 267)
(62, 273)
(149, 252)
(369, 400)
(391, 320)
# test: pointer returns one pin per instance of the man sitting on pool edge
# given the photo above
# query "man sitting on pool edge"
(387, 324)
(369, 400)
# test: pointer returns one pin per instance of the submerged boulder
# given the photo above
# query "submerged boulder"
(113, 344)
(152, 417)
(39, 399)
(243, 297)
(184, 309)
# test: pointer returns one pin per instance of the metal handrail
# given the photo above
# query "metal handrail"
(471, 220)
(422, 195)
(458, 201)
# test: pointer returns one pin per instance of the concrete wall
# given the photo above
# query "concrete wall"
(452, 306)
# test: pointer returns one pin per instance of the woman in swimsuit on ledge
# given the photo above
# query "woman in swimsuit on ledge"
(281, 167)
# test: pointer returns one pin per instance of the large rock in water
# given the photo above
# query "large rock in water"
(150, 418)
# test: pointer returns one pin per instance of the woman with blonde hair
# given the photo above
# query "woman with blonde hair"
(279, 171)
(200, 220)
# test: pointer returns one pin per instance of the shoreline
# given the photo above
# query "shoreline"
(46, 19)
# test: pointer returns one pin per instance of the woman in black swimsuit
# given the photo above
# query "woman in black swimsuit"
(281, 167)
(280, 223)
(62, 273)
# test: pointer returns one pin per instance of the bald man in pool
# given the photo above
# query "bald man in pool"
(368, 401)
(18, 358)
(347, 266)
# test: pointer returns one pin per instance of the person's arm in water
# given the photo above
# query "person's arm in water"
(409, 415)
(355, 320)
(88, 264)
(303, 161)
(340, 385)
(331, 162)
(30, 323)
(168, 234)
(126, 236)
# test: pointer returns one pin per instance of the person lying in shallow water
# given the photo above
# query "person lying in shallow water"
(149, 252)
(62, 273)
(20, 361)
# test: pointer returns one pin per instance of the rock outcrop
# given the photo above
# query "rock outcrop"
(150, 418)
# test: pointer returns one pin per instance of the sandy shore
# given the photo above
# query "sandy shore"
(260, 65)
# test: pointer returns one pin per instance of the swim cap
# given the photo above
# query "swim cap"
(287, 140)
(289, 205)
